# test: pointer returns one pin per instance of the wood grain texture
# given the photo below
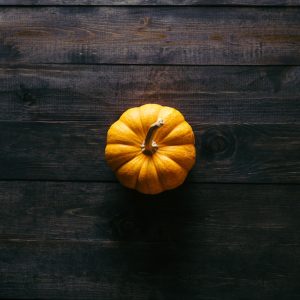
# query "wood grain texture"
(96, 240)
(71, 270)
(213, 214)
(153, 2)
(163, 35)
(93, 239)
(204, 94)
(75, 151)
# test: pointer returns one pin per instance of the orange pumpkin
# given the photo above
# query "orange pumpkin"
(151, 148)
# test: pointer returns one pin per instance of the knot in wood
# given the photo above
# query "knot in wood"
(218, 144)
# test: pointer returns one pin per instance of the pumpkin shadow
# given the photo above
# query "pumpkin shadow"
(158, 230)
(150, 218)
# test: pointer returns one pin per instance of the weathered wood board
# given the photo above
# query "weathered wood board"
(75, 151)
(152, 35)
(204, 94)
(69, 230)
(154, 2)
(91, 241)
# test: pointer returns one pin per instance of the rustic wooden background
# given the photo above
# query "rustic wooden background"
(69, 68)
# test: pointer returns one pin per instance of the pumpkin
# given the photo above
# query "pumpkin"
(151, 148)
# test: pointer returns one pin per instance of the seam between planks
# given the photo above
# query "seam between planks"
(117, 182)
(152, 6)
(24, 65)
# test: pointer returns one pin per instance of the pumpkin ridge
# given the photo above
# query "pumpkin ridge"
(124, 144)
(133, 120)
(183, 167)
(157, 181)
(158, 177)
(130, 129)
(116, 170)
(179, 166)
(137, 178)
(141, 157)
(173, 161)
(135, 154)
(147, 182)
(165, 136)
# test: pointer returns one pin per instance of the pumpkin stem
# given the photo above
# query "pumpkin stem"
(149, 146)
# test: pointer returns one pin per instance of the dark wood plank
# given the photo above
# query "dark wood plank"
(205, 94)
(75, 151)
(163, 35)
(201, 241)
(153, 2)
(213, 214)
(114, 270)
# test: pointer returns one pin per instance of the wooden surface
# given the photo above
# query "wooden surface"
(152, 35)
(154, 2)
(91, 240)
(211, 95)
(68, 70)
(75, 151)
